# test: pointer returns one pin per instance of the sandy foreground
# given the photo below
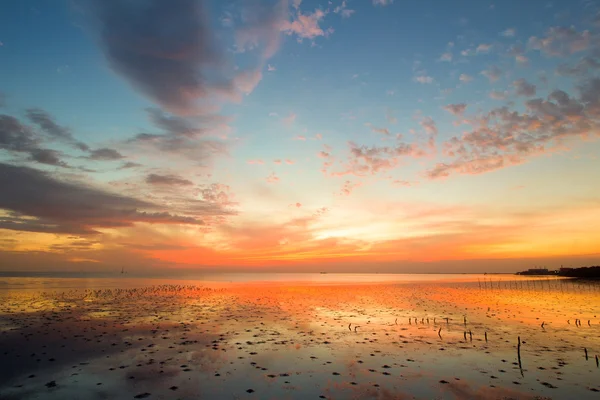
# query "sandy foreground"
(303, 341)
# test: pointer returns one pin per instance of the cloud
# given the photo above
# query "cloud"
(259, 162)
(562, 41)
(464, 78)
(456, 109)
(509, 32)
(343, 10)
(498, 95)
(272, 178)
(431, 130)
(271, 68)
(369, 160)
(483, 48)
(524, 88)
(167, 180)
(581, 68)
(129, 165)
(262, 28)
(381, 131)
(39, 202)
(162, 49)
(305, 26)
(348, 188)
(105, 154)
(184, 136)
(425, 79)
(521, 59)
(48, 157)
(17, 138)
(290, 119)
(493, 73)
(502, 138)
(382, 3)
(446, 57)
(217, 193)
(52, 129)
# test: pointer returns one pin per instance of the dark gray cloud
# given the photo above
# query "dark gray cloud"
(47, 124)
(48, 157)
(524, 88)
(19, 138)
(129, 164)
(185, 126)
(167, 180)
(15, 136)
(456, 109)
(184, 136)
(162, 48)
(65, 207)
(581, 68)
(105, 154)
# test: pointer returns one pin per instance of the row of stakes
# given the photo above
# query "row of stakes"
(577, 322)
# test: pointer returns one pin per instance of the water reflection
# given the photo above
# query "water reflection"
(426, 339)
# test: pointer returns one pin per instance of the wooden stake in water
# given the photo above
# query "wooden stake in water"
(519, 355)
(586, 355)
(485, 337)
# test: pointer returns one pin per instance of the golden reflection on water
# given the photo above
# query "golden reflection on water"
(446, 339)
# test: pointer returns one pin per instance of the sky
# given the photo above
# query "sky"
(299, 135)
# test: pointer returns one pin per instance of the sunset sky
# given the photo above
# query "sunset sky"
(299, 135)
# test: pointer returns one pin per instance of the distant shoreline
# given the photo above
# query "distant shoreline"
(71, 274)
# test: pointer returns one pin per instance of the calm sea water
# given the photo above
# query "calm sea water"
(49, 282)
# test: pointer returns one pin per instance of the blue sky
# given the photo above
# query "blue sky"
(299, 122)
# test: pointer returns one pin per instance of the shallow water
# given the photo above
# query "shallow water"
(321, 338)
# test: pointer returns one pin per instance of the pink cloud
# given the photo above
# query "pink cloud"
(290, 119)
(305, 26)
(258, 162)
(502, 138)
(381, 131)
(272, 178)
(349, 187)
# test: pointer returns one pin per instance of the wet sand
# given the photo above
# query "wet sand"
(426, 340)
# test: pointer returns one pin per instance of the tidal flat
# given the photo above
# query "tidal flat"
(506, 338)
